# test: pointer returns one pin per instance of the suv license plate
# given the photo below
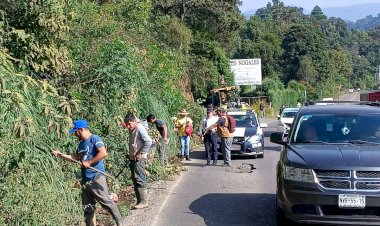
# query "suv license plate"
(351, 201)
(235, 147)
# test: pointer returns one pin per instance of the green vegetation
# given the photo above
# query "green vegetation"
(367, 23)
(62, 60)
(321, 54)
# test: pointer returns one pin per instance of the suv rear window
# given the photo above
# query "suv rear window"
(337, 128)
(289, 114)
(248, 120)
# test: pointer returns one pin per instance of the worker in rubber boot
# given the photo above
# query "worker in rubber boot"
(139, 145)
(91, 152)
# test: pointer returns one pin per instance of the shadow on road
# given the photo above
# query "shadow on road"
(267, 133)
(236, 209)
(273, 148)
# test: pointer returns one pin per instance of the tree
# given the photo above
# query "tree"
(304, 40)
(208, 19)
(35, 34)
(306, 70)
(317, 13)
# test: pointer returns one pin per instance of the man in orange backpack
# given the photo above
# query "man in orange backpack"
(225, 135)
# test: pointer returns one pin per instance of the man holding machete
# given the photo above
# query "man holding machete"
(91, 152)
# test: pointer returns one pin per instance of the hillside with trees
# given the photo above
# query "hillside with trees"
(63, 60)
(369, 22)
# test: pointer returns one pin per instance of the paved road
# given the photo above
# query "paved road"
(215, 195)
(355, 96)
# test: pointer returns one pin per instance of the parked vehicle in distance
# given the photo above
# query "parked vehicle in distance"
(350, 90)
(329, 171)
(285, 120)
(373, 95)
(248, 136)
(326, 99)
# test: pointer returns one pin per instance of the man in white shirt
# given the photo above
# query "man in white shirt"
(210, 139)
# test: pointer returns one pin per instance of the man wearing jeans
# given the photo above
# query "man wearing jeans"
(91, 152)
(163, 130)
(224, 134)
(139, 145)
(181, 124)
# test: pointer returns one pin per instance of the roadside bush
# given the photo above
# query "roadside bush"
(31, 181)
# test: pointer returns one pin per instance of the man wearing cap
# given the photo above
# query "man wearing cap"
(139, 145)
(90, 152)
(224, 134)
(210, 139)
(181, 124)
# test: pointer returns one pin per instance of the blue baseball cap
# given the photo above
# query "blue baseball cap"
(79, 124)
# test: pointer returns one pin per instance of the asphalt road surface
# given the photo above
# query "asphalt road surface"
(214, 195)
(354, 96)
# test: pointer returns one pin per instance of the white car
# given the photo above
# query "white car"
(248, 136)
(285, 120)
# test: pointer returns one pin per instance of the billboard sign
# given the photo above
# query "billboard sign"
(246, 71)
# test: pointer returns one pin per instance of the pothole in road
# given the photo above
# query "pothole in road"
(242, 168)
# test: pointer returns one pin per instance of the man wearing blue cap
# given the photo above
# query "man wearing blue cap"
(91, 152)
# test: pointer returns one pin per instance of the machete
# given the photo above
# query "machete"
(76, 161)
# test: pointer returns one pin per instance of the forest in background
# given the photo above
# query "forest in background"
(62, 60)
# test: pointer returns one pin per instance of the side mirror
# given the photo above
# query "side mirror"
(277, 138)
(263, 125)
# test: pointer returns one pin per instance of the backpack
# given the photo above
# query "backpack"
(231, 124)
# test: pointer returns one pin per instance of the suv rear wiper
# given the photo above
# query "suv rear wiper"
(362, 142)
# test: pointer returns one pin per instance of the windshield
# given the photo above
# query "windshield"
(245, 120)
(289, 114)
(337, 128)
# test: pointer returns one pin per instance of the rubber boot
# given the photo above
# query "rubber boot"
(138, 198)
(180, 157)
(144, 203)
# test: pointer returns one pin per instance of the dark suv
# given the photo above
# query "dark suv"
(329, 169)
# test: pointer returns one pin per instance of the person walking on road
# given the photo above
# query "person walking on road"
(262, 110)
(139, 145)
(182, 123)
(281, 109)
(210, 139)
(91, 152)
(163, 130)
(225, 135)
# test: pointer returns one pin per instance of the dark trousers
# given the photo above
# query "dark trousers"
(211, 146)
(138, 173)
(97, 190)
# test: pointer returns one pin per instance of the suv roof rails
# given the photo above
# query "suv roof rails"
(239, 109)
(371, 103)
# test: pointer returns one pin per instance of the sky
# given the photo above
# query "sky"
(306, 4)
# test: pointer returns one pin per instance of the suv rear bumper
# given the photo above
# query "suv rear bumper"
(247, 149)
(309, 203)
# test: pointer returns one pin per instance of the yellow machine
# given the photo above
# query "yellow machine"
(227, 98)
